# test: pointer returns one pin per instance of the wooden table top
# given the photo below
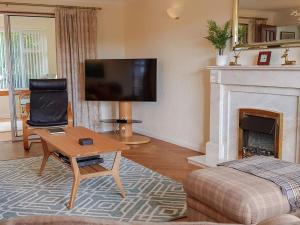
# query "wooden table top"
(68, 144)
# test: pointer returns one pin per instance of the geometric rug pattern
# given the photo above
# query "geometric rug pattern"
(149, 197)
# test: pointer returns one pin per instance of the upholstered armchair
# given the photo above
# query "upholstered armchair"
(48, 107)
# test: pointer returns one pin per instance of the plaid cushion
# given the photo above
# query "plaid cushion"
(285, 174)
(77, 220)
(238, 196)
(199, 212)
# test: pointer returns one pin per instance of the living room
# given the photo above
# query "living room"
(156, 157)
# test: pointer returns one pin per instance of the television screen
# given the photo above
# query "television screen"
(120, 79)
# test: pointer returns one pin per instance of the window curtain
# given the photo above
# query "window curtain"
(76, 40)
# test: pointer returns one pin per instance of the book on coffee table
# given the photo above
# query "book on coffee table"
(56, 130)
(82, 161)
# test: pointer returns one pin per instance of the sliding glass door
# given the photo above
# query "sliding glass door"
(29, 53)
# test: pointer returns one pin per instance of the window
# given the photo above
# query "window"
(29, 55)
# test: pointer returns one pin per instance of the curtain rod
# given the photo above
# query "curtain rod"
(48, 5)
(26, 13)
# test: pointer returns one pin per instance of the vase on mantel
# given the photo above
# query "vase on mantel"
(221, 60)
(219, 36)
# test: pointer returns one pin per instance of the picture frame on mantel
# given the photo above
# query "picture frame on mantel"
(264, 58)
(284, 35)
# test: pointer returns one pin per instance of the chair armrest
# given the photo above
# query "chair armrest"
(25, 116)
(70, 115)
(26, 112)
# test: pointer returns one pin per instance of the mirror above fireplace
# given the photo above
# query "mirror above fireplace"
(266, 24)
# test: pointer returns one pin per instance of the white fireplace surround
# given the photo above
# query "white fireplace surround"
(273, 88)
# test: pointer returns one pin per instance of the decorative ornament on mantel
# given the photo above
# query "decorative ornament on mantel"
(285, 56)
(236, 58)
(219, 37)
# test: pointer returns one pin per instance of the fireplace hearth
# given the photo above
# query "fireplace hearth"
(260, 133)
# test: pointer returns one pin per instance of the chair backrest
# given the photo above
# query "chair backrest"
(48, 101)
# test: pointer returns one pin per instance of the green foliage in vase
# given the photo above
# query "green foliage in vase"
(218, 36)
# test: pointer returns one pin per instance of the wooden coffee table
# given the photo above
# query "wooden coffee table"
(67, 144)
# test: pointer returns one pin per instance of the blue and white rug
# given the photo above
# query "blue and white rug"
(149, 196)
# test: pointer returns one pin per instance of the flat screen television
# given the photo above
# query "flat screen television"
(120, 80)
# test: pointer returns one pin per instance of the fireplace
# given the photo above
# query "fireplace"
(272, 88)
(260, 133)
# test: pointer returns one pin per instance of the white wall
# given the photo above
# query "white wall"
(4, 108)
(181, 114)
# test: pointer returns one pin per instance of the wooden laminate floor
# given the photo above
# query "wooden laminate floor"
(162, 157)
(5, 136)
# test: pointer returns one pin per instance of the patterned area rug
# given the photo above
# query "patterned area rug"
(149, 196)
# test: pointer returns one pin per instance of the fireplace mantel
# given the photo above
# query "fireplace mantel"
(274, 88)
(276, 67)
(279, 76)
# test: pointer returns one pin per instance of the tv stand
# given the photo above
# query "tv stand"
(125, 122)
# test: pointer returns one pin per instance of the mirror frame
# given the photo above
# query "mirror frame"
(262, 45)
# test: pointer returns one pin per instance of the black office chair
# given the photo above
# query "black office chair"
(48, 107)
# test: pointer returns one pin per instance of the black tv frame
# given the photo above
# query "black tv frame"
(153, 94)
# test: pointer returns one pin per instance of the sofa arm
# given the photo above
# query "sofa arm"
(280, 220)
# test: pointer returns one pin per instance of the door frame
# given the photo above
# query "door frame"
(8, 65)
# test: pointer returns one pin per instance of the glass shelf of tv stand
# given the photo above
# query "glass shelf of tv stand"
(120, 121)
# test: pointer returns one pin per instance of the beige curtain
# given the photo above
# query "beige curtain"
(76, 40)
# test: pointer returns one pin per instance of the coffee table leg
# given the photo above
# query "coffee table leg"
(47, 153)
(76, 182)
(115, 173)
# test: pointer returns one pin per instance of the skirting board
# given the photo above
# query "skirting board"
(4, 117)
(106, 128)
(166, 139)
(170, 140)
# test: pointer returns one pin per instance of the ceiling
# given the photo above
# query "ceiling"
(269, 4)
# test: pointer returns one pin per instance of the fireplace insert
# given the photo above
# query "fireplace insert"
(260, 133)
